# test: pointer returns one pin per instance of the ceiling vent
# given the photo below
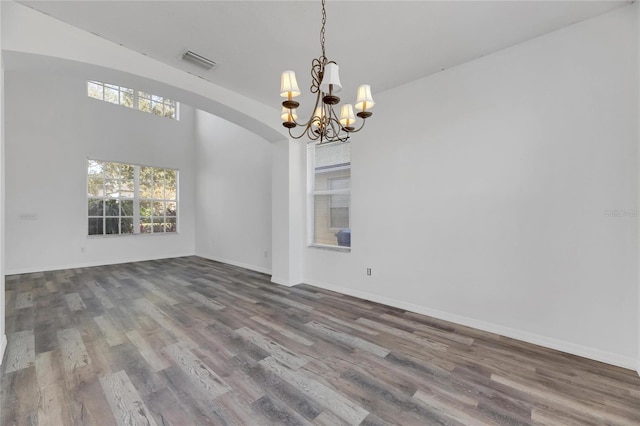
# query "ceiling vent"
(198, 60)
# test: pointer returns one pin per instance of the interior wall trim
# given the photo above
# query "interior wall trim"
(48, 268)
(536, 339)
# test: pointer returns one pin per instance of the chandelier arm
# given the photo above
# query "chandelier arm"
(364, 120)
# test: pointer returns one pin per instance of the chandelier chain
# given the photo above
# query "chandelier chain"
(324, 21)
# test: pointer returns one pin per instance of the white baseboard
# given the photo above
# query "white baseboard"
(282, 281)
(536, 339)
(234, 263)
(48, 268)
(3, 346)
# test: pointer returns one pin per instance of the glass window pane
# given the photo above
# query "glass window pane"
(126, 225)
(95, 187)
(95, 207)
(126, 99)
(127, 171)
(145, 190)
(157, 108)
(340, 183)
(158, 191)
(126, 188)
(169, 111)
(111, 188)
(332, 178)
(111, 94)
(172, 208)
(144, 104)
(126, 207)
(170, 188)
(323, 234)
(145, 174)
(112, 226)
(95, 168)
(112, 208)
(170, 225)
(145, 208)
(339, 217)
(145, 225)
(95, 226)
(112, 170)
(95, 90)
(340, 200)
(156, 98)
(158, 208)
(158, 224)
(158, 175)
(332, 155)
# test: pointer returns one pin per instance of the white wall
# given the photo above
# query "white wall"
(638, 121)
(233, 193)
(52, 127)
(3, 337)
(480, 194)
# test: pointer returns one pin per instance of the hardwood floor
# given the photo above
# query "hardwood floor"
(193, 342)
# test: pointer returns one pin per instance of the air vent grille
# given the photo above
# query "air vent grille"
(198, 60)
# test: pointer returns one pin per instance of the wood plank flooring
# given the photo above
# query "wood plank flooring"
(190, 341)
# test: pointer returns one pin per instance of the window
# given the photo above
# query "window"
(110, 93)
(130, 98)
(156, 105)
(330, 194)
(130, 199)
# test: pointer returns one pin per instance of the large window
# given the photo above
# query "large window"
(135, 99)
(131, 199)
(330, 194)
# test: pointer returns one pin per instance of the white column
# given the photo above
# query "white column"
(288, 195)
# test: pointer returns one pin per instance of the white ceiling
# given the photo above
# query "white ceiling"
(383, 43)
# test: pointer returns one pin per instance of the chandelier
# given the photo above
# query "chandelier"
(324, 125)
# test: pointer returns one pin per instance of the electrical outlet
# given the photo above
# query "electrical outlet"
(368, 271)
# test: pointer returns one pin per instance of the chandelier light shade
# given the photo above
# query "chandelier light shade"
(324, 125)
(364, 101)
(347, 119)
(331, 78)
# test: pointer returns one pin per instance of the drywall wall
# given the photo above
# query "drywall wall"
(3, 337)
(52, 127)
(233, 194)
(503, 194)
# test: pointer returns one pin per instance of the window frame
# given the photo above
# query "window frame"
(135, 199)
(136, 96)
(312, 193)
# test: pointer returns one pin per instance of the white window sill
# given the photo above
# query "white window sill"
(331, 248)
(157, 234)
